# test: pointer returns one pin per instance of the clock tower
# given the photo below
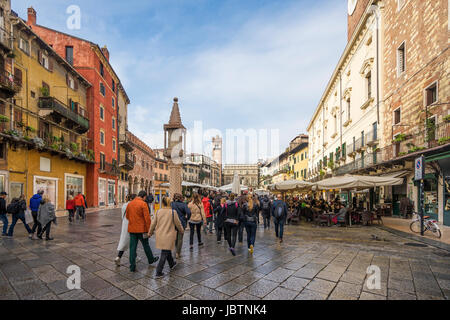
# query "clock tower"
(356, 9)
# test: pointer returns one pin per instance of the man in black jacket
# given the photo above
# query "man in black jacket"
(3, 216)
(184, 214)
(279, 213)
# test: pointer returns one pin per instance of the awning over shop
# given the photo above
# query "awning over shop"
(397, 174)
(357, 182)
(229, 187)
(290, 185)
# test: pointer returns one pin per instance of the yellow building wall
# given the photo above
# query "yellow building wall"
(300, 165)
(24, 165)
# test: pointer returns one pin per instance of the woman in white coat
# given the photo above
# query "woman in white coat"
(124, 241)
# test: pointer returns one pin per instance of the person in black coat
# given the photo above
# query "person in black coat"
(250, 211)
(3, 216)
(21, 206)
(220, 219)
(184, 214)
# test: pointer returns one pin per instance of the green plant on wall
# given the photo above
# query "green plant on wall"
(55, 146)
(331, 164)
(399, 138)
(322, 173)
(91, 154)
(431, 130)
(30, 129)
(74, 146)
(3, 119)
(443, 140)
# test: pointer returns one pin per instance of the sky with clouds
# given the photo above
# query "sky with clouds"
(233, 64)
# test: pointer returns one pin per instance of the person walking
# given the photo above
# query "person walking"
(241, 226)
(3, 216)
(184, 214)
(70, 206)
(208, 214)
(80, 204)
(279, 213)
(35, 202)
(46, 215)
(138, 226)
(250, 210)
(231, 224)
(124, 241)
(165, 226)
(19, 214)
(265, 210)
(220, 220)
(196, 220)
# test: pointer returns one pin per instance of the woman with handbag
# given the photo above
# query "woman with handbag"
(165, 226)
(231, 212)
(197, 219)
(250, 211)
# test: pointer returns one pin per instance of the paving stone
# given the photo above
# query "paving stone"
(205, 293)
(306, 273)
(231, 288)
(261, 288)
(281, 294)
(279, 275)
(76, 294)
(346, 291)
(199, 276)
(399, 295)
(169, 292)
(311, 295)
(330, 276)
(322, 286)
(218, 280)
(401, 285)
(353, 277)
(180, 283)
(295, 284)
(140, 292)
(371, 296)
(108, 293)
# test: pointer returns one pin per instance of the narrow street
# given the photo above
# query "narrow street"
(312, 263)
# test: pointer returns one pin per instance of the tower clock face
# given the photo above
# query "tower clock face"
(352, 6)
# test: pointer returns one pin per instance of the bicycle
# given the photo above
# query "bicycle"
(428, 225)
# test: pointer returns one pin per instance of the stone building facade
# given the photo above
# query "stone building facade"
(141, 177)
(248, 173)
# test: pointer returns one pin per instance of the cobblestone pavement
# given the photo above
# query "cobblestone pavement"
(312, 263)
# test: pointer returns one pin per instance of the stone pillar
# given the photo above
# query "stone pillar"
(175, 178)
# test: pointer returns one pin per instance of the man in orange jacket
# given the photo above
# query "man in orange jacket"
(138, 225)
(79, 206)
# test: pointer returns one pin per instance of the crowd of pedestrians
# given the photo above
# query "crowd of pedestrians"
(40, 212)
(226, 214)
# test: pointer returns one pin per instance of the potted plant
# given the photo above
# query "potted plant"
(55, 146)
(45, 91)
(30, 129)
(91, 154)
(3, 119)
(443, 141)
(74, 146)
(38, 142)
(399, 138)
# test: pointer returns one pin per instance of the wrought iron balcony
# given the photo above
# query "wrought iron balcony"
(128, 163)
(9, 85)
(126, 143)
(59, 112)
(371, 138)
(109, 168)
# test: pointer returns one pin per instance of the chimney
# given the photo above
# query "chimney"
(105, 52)
(31, 16)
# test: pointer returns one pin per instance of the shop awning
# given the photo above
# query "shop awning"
(397, 174)
(357, 182)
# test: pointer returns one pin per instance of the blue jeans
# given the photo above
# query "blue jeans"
(279, 227)
(4, 218)
(15, 217)
(250, 227)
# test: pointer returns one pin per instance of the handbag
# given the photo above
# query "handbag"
(232, 221)
(28, 216)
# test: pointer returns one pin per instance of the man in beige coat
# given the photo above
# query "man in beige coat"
(165, 226)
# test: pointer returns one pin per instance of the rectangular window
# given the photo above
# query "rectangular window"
(369, 85)
(69, 54)
(348, 109)
(113, 84)
(102, 138)
(102, 113)
(113, 103)
(401, 59)
(114, 145)
(397, 116)
(431, 94)
(102, 161)
(102, 71)
(114, 123)
(24, 45)
(102, 89)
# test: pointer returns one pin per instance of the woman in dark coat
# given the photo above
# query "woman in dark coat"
(249, 211)
(220, 219)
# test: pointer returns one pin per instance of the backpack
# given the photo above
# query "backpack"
(279, 211)
(13, 207)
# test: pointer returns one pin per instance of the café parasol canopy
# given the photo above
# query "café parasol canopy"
(357, 182)
(290, 185)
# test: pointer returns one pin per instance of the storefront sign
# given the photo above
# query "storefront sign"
(419, 168)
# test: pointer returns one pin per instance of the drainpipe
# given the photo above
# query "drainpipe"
(375, 10)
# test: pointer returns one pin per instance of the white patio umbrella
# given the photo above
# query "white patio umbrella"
(229, 187)
(290, 185)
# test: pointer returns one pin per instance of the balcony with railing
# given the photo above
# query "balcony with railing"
(5, 40)
(125, 142)
(61, 113)
(127, 162)
(109, 168)
(371, 138)
(9, 84)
